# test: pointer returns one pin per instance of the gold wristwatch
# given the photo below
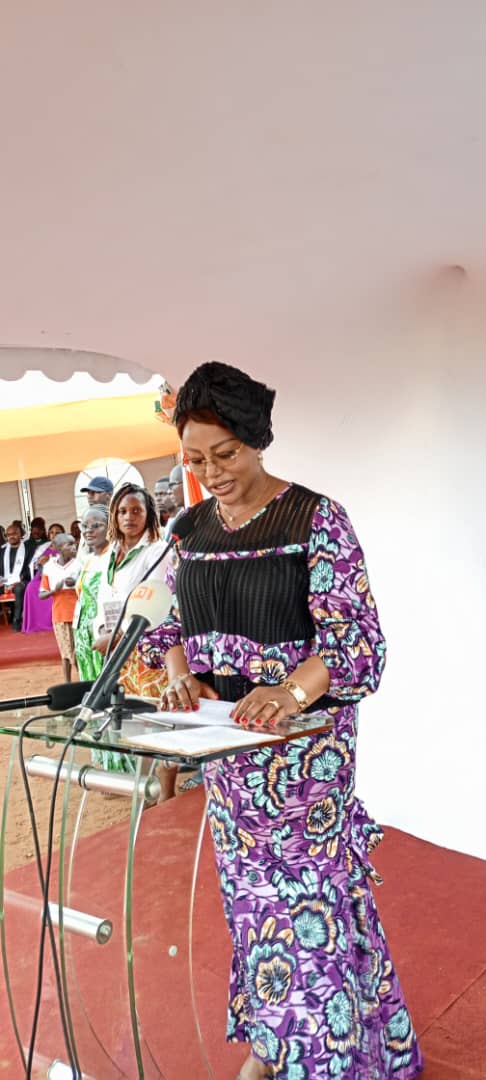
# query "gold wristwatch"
(299, 695)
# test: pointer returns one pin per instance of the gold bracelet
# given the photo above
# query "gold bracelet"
(299, 695)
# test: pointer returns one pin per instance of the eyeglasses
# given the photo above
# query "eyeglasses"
(98, 525)
(220, 460)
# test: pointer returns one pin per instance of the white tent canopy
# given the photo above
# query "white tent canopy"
(62, 364)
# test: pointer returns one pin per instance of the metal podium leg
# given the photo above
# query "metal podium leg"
(149, 1068)
(65, 939)
(5, 964)
(195, 1012)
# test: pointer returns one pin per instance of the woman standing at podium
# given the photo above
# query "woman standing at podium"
(273, 611)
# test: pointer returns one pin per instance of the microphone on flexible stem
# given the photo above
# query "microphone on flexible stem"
(147, 607)
(183, 526)
(57, 698)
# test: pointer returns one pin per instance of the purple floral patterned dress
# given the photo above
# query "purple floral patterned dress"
(312, 984)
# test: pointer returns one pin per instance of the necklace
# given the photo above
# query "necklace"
(261, 506)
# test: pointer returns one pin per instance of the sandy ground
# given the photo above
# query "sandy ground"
(101, 812)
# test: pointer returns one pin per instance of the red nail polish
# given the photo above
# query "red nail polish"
(196, 706)
(258, 720)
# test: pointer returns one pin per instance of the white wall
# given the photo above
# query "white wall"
(9, 503)
(399, 436)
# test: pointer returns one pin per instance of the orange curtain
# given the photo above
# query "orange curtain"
(194, 490)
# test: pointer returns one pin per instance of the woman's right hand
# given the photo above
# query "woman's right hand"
(184, 691)
(100, 644)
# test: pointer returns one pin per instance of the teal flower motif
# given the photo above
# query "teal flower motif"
(269, 784)
(222, 661)
(310, 882)
(311, 929)
(323, 508)
(338, 1066)
(372, 978)
(321, 541)
(296, 1071)
(264, 1042)
(293, 889)
(353, 634)
(339, 1014)
(269, 665)
(270, 970)
(295, 753)
(231, 1024)
(324, 818)
(321, 577)
(285, 886)
(399, 1037)
(329, 890)
(341, 940)
(223, 830)
(326, 766)
(398, 1026)
(278, 835)
(227, 885)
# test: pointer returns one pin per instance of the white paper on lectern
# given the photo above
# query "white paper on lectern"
(209, 713)
(201, 739)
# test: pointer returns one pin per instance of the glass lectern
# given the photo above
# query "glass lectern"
(125, 973)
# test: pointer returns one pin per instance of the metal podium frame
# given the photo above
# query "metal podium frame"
(96, 1060)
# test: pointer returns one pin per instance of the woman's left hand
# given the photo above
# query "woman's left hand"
(265, 705)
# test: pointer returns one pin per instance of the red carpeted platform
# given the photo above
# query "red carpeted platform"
(26, 648)
(432, 907)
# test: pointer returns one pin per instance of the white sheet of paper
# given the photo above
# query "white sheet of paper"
(208, 713)
(199, 740)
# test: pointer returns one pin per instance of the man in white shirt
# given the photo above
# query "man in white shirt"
(176, 491)
(15, 557)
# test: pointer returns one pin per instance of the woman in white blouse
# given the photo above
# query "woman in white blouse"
(133, 530)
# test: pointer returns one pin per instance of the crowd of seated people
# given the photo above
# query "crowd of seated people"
(76, 581)
(26, 558)
(23, 557)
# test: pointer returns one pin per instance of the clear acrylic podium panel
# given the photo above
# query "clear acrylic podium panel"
(105, 925)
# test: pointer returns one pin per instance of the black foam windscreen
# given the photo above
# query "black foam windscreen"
(66, 695)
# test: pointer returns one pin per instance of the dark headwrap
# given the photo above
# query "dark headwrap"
(240, 403)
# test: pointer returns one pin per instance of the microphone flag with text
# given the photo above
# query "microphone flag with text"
(148, 605)
(183, 525)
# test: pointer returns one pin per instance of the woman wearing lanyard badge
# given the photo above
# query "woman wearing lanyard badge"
(133, 530)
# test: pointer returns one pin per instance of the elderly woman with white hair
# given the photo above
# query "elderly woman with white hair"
(94, 527)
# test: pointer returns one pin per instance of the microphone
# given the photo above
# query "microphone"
(147, 606)
(57, 698)
(184, 525)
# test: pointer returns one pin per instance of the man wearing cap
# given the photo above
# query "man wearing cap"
(176, 492)
(99, 490)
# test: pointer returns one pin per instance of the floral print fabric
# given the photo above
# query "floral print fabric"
(312, 982)
(347, 632)
(312, 985)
